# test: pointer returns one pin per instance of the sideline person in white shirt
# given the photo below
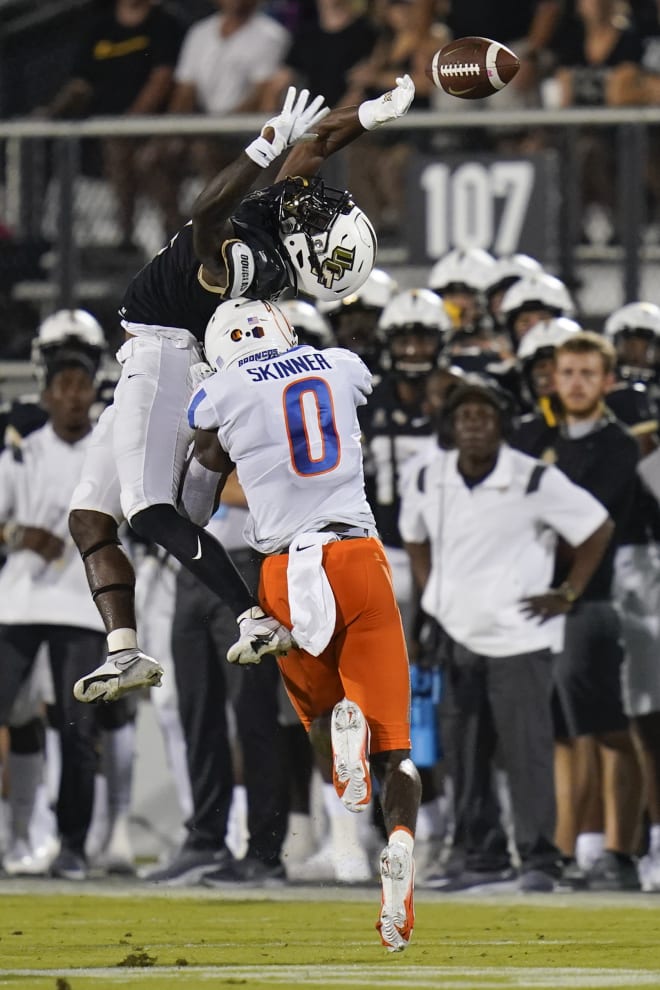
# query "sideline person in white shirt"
(43, 591)
(481, 523)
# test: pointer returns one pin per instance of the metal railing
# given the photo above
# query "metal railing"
(24, 142)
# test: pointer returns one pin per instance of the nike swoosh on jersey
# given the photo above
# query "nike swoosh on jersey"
(198, 555)
(305, 548)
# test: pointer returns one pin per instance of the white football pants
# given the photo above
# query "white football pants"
(140, 442)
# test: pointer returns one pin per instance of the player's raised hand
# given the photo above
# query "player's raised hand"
(293, 121)
(307, 117)
(391, 105)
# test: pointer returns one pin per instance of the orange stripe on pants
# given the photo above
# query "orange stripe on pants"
(366, 659)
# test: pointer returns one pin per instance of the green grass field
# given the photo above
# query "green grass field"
(132, 938)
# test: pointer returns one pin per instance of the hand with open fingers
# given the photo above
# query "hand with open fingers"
(294, 120)
(546, 606)
(307, 117)
(391, 105)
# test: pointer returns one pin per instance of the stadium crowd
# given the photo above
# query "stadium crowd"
(535, 710)
(133, 57)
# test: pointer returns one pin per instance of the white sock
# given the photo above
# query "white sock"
(169, 723)
(98, 832)
(237, 830)
(299, 842)
(349, 855)
(122, 639)
(654, 839)
(118, 758)
(402, 835)
(26, 771)
(588, 847)
(53, 765)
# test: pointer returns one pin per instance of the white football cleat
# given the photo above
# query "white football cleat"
(123, 671)
(648, 869)
(260, 634)
(350, 755)
(397, 913)
(21, 860)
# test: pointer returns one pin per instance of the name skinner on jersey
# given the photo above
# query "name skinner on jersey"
(285, 366)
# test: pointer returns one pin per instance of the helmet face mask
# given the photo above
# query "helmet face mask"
(413, 351)
(243, 331)
(634, 329)
(329, 242)
(309, 207)
(412, 327)
(536, 353)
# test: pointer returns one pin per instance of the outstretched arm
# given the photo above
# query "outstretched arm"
(215, 205)
(316, 133)
(345, 124)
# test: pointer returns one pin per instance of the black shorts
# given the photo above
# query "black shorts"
(587, 674)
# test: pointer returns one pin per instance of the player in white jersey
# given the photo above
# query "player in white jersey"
(286, 416)
(44, 598)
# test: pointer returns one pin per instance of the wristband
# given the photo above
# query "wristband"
(368, 114)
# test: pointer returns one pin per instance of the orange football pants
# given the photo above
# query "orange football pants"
(366, 659)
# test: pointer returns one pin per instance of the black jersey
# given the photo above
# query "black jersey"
(604, 462)
(170, 291)
(633, 404)
(393, 434)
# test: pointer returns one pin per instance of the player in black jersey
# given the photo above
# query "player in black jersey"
(296, 234)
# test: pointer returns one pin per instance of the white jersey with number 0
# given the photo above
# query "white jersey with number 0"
(290, 425)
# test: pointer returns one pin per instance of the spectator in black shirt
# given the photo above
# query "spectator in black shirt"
(526, 25)
(322, 54)
(597, 452)
(125, 65)
(599, 55)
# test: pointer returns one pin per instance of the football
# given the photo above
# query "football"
(472, 68)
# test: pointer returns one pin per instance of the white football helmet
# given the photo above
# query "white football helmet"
(310, 326)
(543, 338)
(637, 317)
(420, 318)
(537, 291)
(509, 269)
(414, 308)
(74, 330)
(459, 270)
(71, 327)
(242, 330)
(374, 293)
(329, 242)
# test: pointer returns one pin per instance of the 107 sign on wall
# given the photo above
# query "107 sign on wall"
(503, 205)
